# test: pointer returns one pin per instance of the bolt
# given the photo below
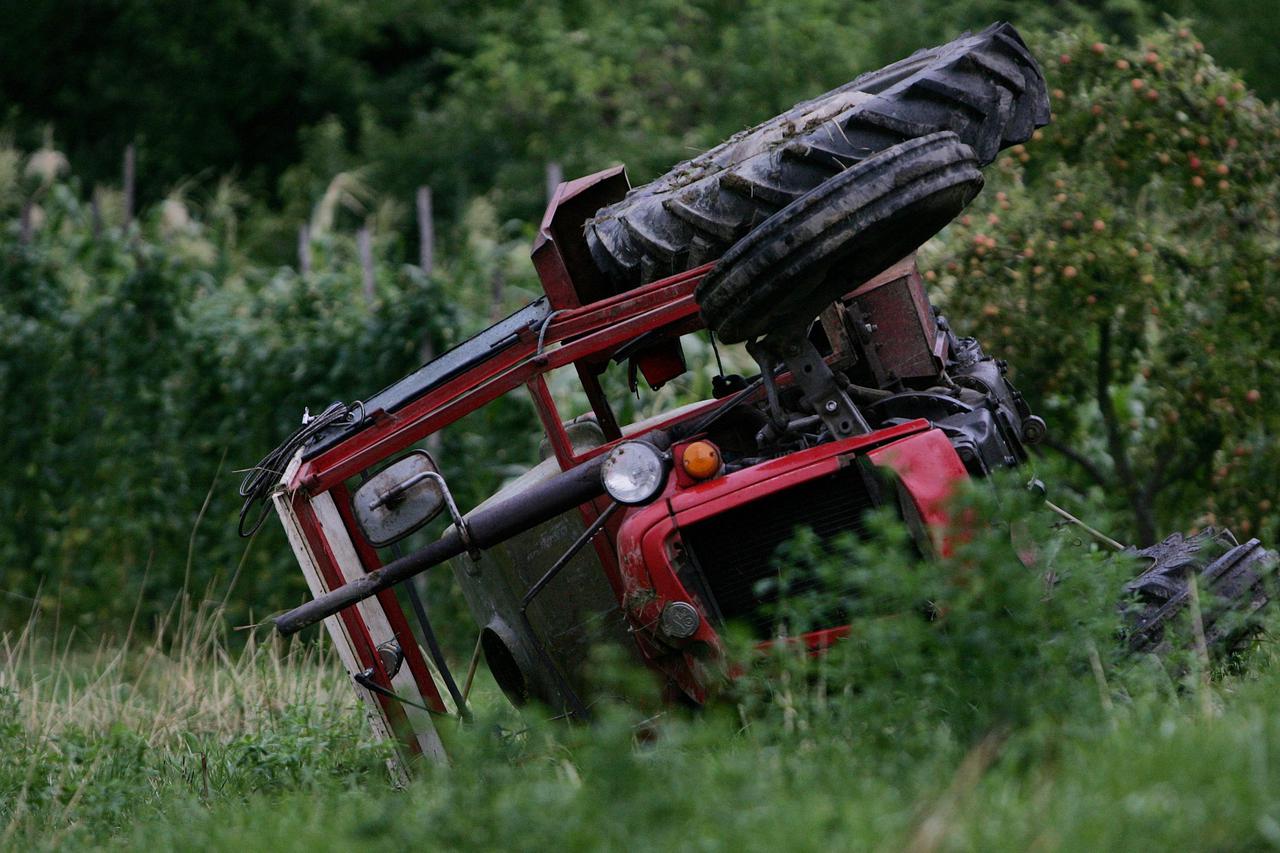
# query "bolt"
(831, 407)
(679, 620)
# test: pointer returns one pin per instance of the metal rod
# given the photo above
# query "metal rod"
(365, 680)
(489, 527)
(566, 689)
(1096, 534)
(587, 536)
(437, 654)
(471, 669)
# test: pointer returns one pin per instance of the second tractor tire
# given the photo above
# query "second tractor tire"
(785, 271)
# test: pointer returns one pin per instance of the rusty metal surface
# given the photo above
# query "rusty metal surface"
(901, 326)
(560, 255)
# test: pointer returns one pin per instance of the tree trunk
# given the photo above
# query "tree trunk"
(1140, 499)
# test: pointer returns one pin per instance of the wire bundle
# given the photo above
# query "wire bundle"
(261, 479)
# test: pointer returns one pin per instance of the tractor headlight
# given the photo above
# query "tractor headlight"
(634, 472)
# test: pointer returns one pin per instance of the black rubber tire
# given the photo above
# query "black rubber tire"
(1234, 582)
(785, 271)
(987, 88)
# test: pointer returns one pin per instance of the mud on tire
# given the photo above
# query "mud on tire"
(986, 88)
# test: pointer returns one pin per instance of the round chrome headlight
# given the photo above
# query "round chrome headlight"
(634, 472)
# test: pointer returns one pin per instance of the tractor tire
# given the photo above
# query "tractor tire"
(987, 88)
(786, 270)
(1234, 581)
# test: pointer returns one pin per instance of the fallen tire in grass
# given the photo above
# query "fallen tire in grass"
(1233, 582)
(843, 232)
(986, 88)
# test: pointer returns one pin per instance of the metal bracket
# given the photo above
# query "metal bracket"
(464, 529)
(815, 379)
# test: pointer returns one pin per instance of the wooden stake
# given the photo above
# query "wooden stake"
(304, 249)
(426, 232)
(427, 263)
(25, 225)
(96, 209)
(129, 175)
(555, 175)
(364, 244)
(499, 287)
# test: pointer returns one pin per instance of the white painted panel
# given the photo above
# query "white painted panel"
(336, 629)
(344, 552)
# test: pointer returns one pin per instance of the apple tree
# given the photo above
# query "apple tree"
(1127, 264)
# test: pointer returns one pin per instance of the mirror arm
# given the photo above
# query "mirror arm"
(459, 520)
(486, 528)
(394, 493)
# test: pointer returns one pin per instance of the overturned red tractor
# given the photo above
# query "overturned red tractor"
(794, 238)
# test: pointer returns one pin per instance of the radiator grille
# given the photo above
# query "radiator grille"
(734, 550)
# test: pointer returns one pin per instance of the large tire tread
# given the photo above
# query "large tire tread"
(847, 229)
(986, 88)
(1234, 581)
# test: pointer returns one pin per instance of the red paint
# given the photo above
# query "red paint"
(390, 605)
(635, 549)
(929, 468)
(365, 648)
(582, 333)
(815, 641)
(648, 534)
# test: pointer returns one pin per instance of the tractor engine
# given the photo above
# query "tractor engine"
(892, 357)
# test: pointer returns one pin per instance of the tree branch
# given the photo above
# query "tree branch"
(1085, 464)
(1115, 440)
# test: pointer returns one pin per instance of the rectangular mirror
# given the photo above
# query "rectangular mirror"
(399, 499)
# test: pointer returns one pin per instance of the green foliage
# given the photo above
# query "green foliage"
(1125, 264)
(962, 641)
(590, 85)
(978, 707)
(143, 365)
(470, 99)
(94, 739)
(1240, 34)
(222, 85)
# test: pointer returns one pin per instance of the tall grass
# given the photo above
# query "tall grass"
(979, 705)
(93, 734)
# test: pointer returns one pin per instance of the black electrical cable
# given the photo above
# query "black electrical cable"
(716, 350)
(433, 644)
(261, 479)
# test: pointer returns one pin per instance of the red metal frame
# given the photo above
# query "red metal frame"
(648, 535)
(580, 333)
(634, 549)
(391, 607)
(572, 337)
(365, 649)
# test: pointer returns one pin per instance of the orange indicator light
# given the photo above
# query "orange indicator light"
(701, 460)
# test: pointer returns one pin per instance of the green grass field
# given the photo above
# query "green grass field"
(1007, 723)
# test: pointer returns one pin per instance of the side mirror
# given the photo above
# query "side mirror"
(400, 498)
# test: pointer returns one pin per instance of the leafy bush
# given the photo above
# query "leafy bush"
(143, 365)
(974, 642)
(975, 706)
(1125, 264)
